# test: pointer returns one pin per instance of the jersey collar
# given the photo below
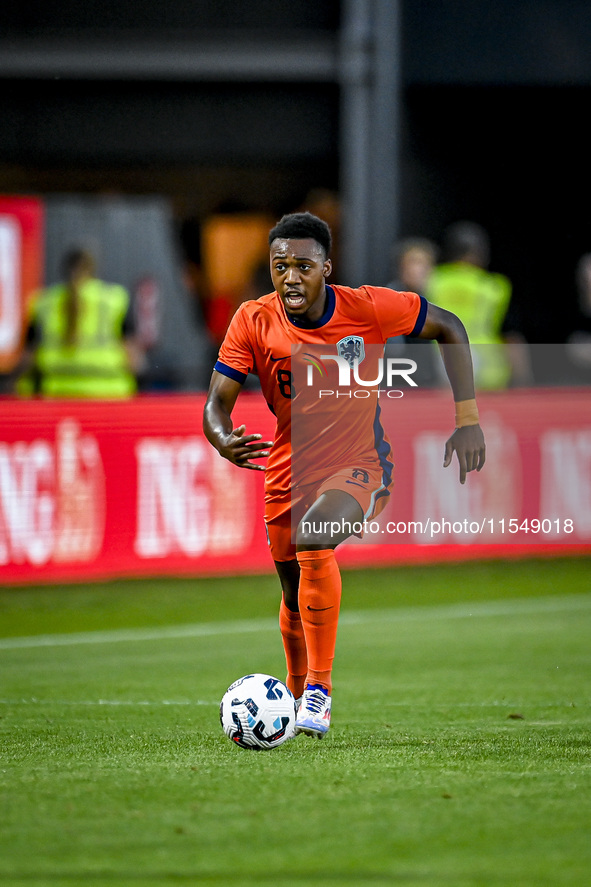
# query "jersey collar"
(305, 324)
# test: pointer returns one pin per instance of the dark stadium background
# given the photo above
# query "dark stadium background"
(472, 109)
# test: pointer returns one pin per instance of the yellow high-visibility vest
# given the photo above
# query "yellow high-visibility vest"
(480, 299)
(95, 364)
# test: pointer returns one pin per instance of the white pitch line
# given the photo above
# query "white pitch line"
(484, 609)
(192, 630)
(114, 702)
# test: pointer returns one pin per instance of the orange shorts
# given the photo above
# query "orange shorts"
(283, 514)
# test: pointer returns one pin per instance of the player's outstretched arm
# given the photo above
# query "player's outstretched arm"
(230, 442)
(467, 441)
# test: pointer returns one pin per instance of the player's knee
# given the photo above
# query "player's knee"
(289, 574)
(315, 535)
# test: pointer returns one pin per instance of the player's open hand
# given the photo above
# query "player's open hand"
(468, 443)
(240, 448)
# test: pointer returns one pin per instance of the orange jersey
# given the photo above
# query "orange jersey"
(261, 340)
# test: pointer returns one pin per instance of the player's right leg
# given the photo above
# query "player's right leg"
(290, 625)
(319, 599)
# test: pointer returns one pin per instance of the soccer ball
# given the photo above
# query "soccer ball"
(258, 711)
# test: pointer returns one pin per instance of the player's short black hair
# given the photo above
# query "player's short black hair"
(300, 226)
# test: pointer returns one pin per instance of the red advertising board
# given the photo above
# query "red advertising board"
(532, 497)
(21, 269)
(92, 490)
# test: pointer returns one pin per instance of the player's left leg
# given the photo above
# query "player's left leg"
(320, 598)
(320, 577)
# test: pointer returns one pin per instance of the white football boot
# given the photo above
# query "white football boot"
(314, 713)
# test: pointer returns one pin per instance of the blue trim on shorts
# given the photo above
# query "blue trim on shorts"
(383, 450)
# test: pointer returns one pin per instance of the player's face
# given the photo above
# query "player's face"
(299, 271)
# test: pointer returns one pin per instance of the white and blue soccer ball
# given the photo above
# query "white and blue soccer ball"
(258, 712)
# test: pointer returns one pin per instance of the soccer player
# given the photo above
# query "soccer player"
(306, 310)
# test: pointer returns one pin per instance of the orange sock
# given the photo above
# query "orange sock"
(294, 644)
(319, 601)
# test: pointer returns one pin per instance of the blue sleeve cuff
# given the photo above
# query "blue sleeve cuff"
(420, 322)
(225, 370)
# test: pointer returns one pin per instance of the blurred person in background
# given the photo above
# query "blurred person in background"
(413, 260)
(463, 285)
(80, 341)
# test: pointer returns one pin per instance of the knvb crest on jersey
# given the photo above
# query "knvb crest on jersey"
(352, 348)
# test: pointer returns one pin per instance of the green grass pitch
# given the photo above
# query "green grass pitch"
(460, 751)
